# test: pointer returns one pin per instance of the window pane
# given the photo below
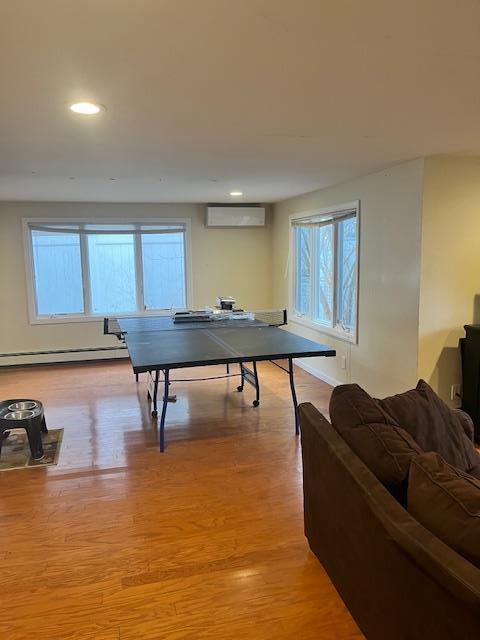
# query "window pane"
(323, 311)
(347, 274)
(164, 270)
(57, 272)
(302, 270)
(111, 261)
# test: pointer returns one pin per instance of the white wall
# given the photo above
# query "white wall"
(450, 283)
(405, 328)
(225, 262)
(385, 359)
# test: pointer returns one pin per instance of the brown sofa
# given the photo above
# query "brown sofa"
(399, 581)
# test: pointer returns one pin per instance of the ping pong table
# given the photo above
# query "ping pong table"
(157, 344)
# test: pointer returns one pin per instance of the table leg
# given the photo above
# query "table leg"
(256, 402)
(166, 375)
(242, 383)
(155, 393)
(294, 395)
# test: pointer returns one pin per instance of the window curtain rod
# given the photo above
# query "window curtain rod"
(98, 231)
(320, 220)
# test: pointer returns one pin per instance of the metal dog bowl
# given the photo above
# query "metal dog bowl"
(22, 406)
(19, 415)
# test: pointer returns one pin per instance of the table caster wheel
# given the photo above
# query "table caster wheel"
(154, 414)
(256, 403)
(240, 388)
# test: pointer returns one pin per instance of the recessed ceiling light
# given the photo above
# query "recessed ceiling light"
(236, 194)
(86, 108)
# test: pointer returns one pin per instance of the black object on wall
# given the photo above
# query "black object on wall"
(470, 350)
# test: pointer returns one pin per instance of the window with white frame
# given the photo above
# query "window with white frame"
(324, 246)
(83, 269)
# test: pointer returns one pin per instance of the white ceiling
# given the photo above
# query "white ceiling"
(271, 97)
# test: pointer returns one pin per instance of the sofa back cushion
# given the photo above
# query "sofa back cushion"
(466, 422)
(351, 406)
(446, 501)
(384, 447)
(432, 424)
(387, 451)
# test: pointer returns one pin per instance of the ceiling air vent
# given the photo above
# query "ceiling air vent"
(226, 216)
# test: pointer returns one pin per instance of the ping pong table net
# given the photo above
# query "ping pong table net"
(271, 317)
(111, 327)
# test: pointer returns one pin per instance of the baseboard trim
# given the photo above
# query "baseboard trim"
(58, 356)
(317, 374)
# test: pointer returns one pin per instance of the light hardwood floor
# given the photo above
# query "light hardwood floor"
(206, 540)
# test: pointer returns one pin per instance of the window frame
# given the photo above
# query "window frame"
(336, 211)
(35, 318)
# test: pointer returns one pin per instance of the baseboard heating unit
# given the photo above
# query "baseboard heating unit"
(55, 356)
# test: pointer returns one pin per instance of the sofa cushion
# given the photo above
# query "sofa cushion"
(466, 422)
(386, 450)
(475, 471)
(433, 425)
(384, 447)
(446, 501)
(351, 406)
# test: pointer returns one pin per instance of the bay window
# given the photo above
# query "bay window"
(82, 270)
(324, 287)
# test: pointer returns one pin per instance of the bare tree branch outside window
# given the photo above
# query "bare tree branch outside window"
(326, 272)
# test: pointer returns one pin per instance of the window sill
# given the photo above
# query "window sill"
(70, 319)
(330, 331)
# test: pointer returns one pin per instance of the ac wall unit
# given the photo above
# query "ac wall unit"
(235, 216)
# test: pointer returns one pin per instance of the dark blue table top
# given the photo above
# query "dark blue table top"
(156, 343)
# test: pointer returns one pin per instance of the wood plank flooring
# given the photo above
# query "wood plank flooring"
(120, 542)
